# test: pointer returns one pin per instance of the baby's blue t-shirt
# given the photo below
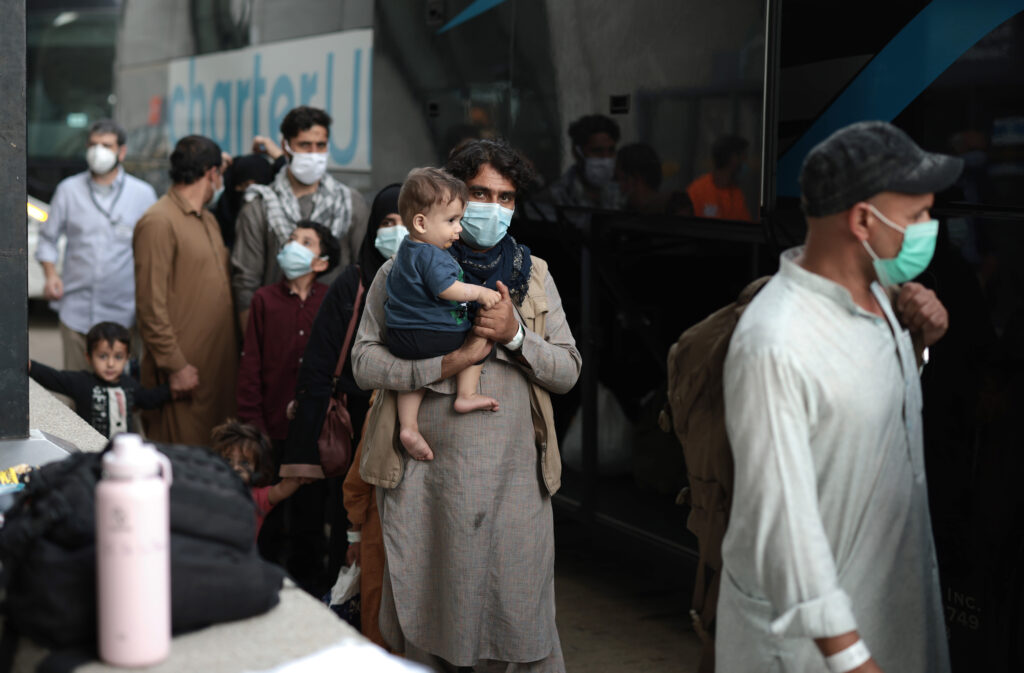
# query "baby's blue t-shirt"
(420, 272)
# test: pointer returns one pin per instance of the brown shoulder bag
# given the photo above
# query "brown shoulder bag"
(335, 442)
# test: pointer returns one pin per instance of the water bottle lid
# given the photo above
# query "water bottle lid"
(131, 459)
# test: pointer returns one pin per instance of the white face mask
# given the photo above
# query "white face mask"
(101, 159)
(217, 193)
(307, 167)
(599, 171)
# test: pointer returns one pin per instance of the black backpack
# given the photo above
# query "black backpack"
(48, 551)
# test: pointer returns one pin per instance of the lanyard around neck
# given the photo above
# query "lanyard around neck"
(109, 214)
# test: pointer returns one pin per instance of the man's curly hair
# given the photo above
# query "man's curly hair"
(466, 158)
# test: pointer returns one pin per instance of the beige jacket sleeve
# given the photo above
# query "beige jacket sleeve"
(353, 238)
(552, 360)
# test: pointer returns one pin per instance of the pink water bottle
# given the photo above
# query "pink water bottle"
(133, 563)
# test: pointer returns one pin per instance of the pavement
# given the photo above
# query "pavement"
(615, 611)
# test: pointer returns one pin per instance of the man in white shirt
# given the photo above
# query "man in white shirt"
(97, 211)
(829, 562)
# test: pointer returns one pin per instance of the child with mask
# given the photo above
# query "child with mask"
(279, 324)
(427, 301)
(247, 449)
(104, 397)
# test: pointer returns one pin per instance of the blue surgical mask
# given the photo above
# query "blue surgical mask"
(484, 224)
(295, 260)
(389, 238)
(914, 256)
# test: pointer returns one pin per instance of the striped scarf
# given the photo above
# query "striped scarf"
(332, 205)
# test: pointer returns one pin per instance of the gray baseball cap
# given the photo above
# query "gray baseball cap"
(863, 159)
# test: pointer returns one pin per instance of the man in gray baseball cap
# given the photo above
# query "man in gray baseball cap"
(829, 561)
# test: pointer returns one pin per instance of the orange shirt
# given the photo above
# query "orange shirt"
(712, 201)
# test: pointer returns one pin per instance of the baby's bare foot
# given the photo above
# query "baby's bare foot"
(414, 443)
(464, 405)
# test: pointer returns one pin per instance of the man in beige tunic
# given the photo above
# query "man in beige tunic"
(183, 300)
(469, 537)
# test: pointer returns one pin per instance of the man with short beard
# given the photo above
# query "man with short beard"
(97, 210)
(183, 294)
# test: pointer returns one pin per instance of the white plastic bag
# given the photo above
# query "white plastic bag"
(347, 586)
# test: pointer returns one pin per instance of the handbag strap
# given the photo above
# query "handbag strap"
(351, 330)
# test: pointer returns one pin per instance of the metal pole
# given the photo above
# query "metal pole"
(770, 107)
(13, 228)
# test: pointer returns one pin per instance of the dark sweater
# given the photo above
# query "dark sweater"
(105, 406)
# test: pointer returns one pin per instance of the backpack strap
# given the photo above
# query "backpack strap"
(351, 331)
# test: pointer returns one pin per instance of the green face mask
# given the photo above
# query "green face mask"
(914, 256)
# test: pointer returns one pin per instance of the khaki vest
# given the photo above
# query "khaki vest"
(382, 463)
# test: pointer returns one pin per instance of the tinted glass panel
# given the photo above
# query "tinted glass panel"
(70, 78)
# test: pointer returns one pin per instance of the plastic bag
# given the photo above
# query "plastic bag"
(343, 598)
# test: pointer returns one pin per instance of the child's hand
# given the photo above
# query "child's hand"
(487, 298)
(289, 411)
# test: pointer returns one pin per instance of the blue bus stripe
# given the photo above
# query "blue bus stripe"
(915, 57)
(475, 9)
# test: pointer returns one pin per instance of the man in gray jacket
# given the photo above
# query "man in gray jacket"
(302, 190)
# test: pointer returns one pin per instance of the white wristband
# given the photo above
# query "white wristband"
(517, 340)
(353, 536)
(848, 659)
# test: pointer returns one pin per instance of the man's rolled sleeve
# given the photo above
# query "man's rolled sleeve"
(776, 546)
(821, 617)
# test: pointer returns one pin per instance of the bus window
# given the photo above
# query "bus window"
(70, 85)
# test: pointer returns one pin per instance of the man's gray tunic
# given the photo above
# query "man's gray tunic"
(829, 529)
(469, 534)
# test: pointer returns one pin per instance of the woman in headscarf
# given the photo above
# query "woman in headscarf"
(384, 232)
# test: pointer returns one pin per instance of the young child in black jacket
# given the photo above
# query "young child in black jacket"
(106, 396)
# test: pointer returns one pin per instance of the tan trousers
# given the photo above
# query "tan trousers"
(75, 358)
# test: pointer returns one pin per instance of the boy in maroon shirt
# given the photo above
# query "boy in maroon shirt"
(280, 319)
